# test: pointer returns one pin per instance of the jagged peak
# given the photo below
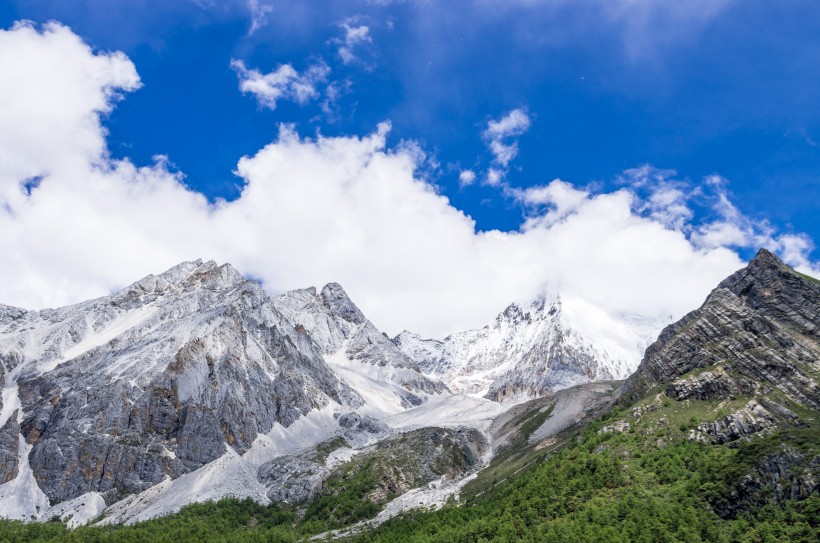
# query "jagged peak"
(765, 271)
(208, 274)
(182, 271)
(338, 302)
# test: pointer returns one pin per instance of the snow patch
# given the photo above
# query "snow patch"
(129, 320)
(449, 411)
(229, 476)
(78, 511)
(21, 498)
(304, 433)
(373, 383)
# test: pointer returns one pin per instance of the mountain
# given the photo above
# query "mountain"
(356, 349)
(531, 350)
(188, 377)
(715, 437)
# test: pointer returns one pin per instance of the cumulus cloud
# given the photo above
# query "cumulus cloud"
(466, 178)
(549, 203)
(283, 83)
(346, 209)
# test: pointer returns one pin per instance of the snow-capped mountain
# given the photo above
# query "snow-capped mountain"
(159, 381)
(529, 350)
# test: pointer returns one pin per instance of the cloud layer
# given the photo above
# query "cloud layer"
(77, 223)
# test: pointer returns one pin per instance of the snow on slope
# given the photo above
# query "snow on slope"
(449, 411)
(228, 476)
(21, 498)
(531, 350)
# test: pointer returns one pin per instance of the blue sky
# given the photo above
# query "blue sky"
(692, 89)
(734, 92)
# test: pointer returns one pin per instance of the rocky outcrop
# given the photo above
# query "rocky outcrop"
(760, 326)
(292, 479)
(756, 416)
(785, 474)
(9, 444)
(709, 385)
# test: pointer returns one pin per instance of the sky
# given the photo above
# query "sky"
(438, 159)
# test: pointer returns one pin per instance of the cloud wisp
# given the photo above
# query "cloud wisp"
(78, 223)
(259, 14)
(354, 36)
(501, 136)
(283, 83)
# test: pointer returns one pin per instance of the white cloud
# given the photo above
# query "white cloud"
(500, 136)
(514, 123)
(259, 14)
(283, 83)
(354, 35)
(466, 178)
(495, 177)
(343, 209)
(551, 203)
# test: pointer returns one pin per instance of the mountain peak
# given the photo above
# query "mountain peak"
(337, 301)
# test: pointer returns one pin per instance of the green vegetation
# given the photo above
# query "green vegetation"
(346, 498)
(230, 520)
(324, 448)
(648, 483)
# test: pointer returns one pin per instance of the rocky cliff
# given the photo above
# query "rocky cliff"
(757, 331)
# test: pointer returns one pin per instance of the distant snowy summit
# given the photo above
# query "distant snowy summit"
(531, 350)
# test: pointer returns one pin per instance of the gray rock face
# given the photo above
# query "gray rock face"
(292, 479)
(121, 392)
(786, 474)
(338, 327)
(754, 417)
(709, 385)
(758, 329)
(9, 443)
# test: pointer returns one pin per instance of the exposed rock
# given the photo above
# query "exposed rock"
(760, 325)
(121, 392)
(8, 449)
(338, 327)
(618, 427)
(783, 475)
(709, 385)
(752, 418)
(292, 479)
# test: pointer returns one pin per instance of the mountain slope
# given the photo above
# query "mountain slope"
(356, 350)
(759, 328)
(187, 386)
